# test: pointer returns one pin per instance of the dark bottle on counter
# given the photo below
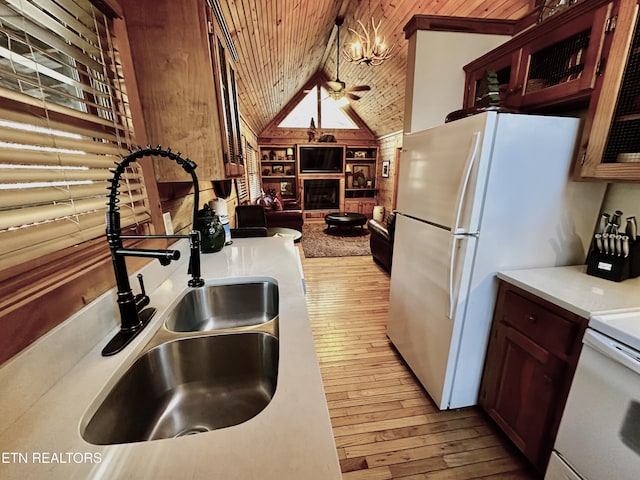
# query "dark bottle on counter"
(212, 236)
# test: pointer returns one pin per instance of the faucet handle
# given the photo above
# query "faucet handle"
(141, 282)
(142, 300)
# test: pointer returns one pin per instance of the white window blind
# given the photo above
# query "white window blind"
(64, 122)
(241, 182)
(241, 188)
(253, 174)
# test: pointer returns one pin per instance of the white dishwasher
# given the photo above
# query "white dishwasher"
(599, 435)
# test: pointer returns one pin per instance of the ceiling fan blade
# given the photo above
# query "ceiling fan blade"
(352, 96)
(359, 88)
(336, 85)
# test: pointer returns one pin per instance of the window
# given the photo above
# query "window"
(65, 122)
(249, 189)
(331, 110)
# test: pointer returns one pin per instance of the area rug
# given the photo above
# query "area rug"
(318, 241)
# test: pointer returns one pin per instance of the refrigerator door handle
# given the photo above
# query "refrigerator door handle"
(452, 266)
(471, 160)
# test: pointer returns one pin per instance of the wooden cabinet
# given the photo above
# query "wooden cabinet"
(278, 170)
(177, 60)
(610, 145)
(506, 63)
(583, 60)
(228, 110)
(561, 63)
(532, 354)
(360, 205)
(551, 64)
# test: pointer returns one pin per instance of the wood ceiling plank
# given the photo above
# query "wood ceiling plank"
(278, 60)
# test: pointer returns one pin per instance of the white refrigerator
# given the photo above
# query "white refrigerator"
(482, 194)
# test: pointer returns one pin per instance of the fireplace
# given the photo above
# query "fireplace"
(322, 194)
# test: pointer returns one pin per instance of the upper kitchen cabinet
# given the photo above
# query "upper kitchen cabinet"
(610, 146)
(505, 64)
(554, 63)
(228, 109)
(187, 87)
(560, 65)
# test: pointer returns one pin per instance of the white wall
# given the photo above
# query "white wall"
(624, 197)
(435, 78)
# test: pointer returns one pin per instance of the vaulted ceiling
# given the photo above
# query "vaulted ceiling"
(281, 44)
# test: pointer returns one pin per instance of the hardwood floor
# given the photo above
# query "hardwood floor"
(385, 425)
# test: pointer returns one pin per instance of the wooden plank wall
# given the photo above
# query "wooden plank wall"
(388, 150)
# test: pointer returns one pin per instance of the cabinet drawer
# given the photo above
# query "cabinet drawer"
(548, 329)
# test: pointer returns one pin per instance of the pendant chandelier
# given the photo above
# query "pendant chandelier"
(368, 48)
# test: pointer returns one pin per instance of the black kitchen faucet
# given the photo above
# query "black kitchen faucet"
(132, 316)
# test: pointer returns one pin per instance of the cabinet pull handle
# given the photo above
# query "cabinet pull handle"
(532, 319)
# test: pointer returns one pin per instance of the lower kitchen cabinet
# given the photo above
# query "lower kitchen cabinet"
(532, 354)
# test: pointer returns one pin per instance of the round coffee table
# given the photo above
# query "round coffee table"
(345, 219)
(284, 232)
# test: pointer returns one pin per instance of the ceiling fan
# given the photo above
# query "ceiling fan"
(338, 87)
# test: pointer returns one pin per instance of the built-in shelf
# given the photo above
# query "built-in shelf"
(284, 179)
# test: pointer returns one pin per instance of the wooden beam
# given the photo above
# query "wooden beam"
(460, 24)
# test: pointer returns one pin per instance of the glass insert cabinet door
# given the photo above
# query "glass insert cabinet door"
(611, 145)
(563, 64)
(623, 144)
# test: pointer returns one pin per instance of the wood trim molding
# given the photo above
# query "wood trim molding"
(460, 24)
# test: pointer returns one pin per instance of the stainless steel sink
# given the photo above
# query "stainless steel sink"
(218, 307)
(188, 386)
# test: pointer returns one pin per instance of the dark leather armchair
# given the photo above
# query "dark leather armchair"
(250, 222)
(381, 240)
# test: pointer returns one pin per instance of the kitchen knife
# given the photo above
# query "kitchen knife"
(631, 229)
(625, 245)
(618, 245)
(612, 244)
(605, 242)
(604, 221)
(617, 216)
(614, 229)
(599, 242)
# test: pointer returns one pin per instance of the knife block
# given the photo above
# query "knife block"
(613, 267)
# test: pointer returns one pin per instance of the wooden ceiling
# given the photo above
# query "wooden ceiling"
(281, 44)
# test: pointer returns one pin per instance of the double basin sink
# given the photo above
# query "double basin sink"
(212, 364)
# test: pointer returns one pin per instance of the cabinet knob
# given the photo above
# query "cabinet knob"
(547, 379)
(532, 319)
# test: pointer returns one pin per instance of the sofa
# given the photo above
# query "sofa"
(290, 216)
(381, 240)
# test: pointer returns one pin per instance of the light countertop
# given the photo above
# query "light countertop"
(572, 289)
(48, 389)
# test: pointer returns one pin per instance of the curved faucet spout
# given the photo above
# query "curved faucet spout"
(164, 256)
(132, 318)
